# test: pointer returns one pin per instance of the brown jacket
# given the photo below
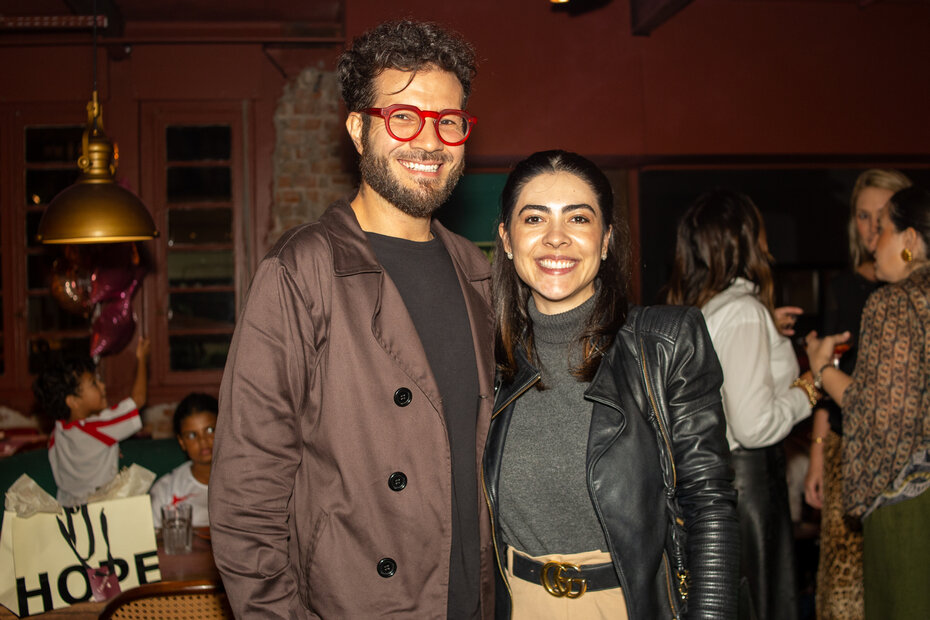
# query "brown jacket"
(314, 421)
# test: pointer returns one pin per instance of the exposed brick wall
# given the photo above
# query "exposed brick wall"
(311, 164)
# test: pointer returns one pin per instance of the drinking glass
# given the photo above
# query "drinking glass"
(176, 528)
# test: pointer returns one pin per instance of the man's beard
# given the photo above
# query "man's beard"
(421, 201)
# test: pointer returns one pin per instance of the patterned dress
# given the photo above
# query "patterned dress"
(886, 408)
(886, 424)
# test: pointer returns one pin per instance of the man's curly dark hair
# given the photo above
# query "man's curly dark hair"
(406, 46)
(59, 380)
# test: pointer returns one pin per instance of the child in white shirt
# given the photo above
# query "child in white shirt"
(194, 421)
(84, 445)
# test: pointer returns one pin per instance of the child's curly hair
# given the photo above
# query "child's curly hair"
(59, 380)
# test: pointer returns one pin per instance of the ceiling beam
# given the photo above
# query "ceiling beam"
(647, 15)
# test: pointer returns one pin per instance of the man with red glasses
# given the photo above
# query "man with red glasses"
(357, 393)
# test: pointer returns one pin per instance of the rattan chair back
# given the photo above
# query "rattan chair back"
(170, 600)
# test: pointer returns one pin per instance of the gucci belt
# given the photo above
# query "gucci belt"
(561, 579)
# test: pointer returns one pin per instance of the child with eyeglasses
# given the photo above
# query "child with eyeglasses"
(194, 422)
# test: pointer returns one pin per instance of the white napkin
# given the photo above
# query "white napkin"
(129, 482)
(27, 498)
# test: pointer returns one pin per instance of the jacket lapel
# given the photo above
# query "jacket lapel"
(391, 325)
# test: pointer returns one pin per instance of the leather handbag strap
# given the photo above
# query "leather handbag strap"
(662, 427)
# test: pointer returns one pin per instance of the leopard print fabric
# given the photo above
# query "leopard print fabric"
(839, 573)
(886, 408)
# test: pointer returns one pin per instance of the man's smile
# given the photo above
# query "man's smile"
(420, 166)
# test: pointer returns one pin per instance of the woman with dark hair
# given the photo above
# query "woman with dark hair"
(606, 467)
(723, 266)
(839, 570)
(886, 414)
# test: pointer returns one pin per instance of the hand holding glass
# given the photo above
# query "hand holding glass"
(838, 351)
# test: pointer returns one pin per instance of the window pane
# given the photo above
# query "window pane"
(199, 226)
(32, 227)
(199, 352)
(41, 348)
(202, 310)
(210, 268)
(46, 315)
(43, 185)
(38, 270)
(199, 143)
(53, 144)
(212, 183)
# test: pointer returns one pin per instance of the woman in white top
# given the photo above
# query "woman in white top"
(723, 266)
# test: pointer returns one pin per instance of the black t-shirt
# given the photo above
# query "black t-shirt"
(848, 293)
(425, 276)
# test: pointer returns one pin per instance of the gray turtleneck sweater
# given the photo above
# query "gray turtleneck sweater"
(544, 502)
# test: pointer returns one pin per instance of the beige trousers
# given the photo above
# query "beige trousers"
(531, 601)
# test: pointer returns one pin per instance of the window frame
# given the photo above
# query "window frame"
(156, 117)
(15, 380)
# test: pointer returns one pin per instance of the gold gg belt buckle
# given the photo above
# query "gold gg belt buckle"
(556, 579)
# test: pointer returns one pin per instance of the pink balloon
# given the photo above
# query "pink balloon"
(113, 328)
(107, 283)
(116, 267)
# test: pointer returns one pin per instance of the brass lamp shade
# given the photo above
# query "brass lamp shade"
(95, 209)
(90, 212)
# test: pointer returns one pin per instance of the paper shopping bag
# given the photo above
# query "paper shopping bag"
(90, 552)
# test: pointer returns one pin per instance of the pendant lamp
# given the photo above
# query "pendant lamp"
(95, 209)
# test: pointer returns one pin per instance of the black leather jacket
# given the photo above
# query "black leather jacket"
(661, 362)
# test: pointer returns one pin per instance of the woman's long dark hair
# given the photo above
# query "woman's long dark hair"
(720, 237)
(513, 327)
(910, 208)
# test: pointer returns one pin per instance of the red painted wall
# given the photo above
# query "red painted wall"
(721, 77)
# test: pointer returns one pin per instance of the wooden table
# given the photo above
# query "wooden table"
(198, 564)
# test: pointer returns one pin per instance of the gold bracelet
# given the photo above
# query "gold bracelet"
(817, 439)
(808, 389)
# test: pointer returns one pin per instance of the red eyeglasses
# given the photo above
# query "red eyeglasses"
(405, 122)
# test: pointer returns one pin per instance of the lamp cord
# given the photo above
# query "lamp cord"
(95, 58)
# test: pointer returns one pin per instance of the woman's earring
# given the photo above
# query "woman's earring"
(604, 256)
(510, 255)
(907, 255)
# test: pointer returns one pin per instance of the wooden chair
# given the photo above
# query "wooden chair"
(170, 600)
